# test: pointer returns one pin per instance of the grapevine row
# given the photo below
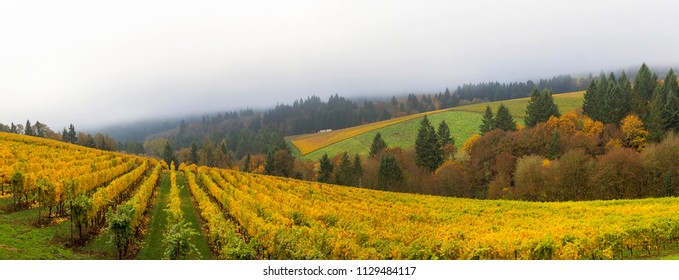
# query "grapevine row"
(222, 233)
(139, 202)
(105, 196)
(174, 204)
(360, 223)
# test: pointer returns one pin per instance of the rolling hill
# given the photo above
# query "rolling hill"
(463, 121)
(248, 216)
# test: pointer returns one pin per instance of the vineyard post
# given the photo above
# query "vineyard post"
(39, 209)
(70, 210)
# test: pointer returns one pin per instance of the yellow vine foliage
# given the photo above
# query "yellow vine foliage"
(284, 218)
(289, 219)
(56, 171)
(220, 230)
(140, 200)
(174, 204)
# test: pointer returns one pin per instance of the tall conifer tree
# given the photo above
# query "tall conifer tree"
(488, 122)
(540, 107)
(642, 93)
(427, 147)
(504, 119)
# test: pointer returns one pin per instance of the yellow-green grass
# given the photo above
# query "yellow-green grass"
(462, 126)
(20, 239)
(308, 143)
(463, 121)
(565, 101)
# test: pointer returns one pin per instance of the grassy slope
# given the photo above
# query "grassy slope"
(463, 121)
(20, 239)
(307, 143)
(565, 101)
(153, 248)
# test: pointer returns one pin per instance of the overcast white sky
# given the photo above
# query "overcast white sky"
(100, 62)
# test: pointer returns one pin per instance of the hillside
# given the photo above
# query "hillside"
(246, 216)
(463, 121)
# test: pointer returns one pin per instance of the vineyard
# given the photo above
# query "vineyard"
(290, 219)
(56, 193)
(73, 185)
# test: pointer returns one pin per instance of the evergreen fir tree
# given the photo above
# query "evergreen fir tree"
(64, 135)
(447, 101)
(504, 119)
(656, 123)
(444, 136)
(594, 104)
(389, 172)
(378, 145)
(246, 164)
(616, 103)
(488, 122)
(357, 170)
(554, 148)
(325, 171)
(72, 137)
(194, 153)
(168, 154)
(28, 129)
(427, 147)
(590, 99)
(343, 176)
(540, 107)
(610, 96)
(642, 93)
(270, 164)
(670, 113)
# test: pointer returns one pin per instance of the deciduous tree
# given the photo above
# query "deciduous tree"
(634, 134)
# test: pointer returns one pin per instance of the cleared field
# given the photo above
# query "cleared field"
(463, 121)
(310, 142)
(462, 126)
(566, 102)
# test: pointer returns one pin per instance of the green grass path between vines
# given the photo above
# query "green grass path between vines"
(153, 247)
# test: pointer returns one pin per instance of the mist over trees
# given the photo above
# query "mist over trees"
(626, 125)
